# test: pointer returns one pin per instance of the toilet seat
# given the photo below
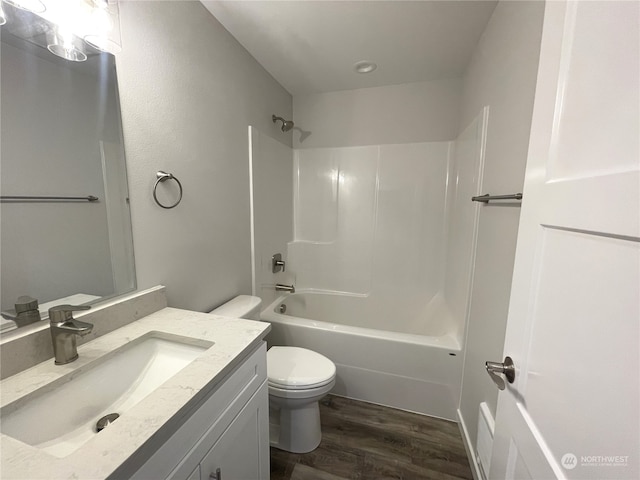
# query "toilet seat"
(295, 368)
(301, 394)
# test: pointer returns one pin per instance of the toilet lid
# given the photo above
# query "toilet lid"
(297, 368)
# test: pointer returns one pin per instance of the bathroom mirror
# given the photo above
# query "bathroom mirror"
(64, 216)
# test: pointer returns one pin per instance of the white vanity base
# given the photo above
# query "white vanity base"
(227, 434)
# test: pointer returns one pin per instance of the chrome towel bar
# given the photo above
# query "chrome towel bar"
(18, 198)
(488, 198)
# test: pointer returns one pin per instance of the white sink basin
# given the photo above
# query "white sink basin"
(61, 416)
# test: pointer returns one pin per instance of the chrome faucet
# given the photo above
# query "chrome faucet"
(64, 329)
(285, 288)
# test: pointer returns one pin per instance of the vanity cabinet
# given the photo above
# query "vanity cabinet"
(236, 455)
(226, 437)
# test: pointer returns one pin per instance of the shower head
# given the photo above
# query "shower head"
(286, 124)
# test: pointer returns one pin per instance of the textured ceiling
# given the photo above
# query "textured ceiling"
(311, 46)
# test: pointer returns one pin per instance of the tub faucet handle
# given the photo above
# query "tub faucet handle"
(277, 264)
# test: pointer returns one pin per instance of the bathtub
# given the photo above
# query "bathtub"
(417, 369)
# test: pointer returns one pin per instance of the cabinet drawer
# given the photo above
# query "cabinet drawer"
(186, 447)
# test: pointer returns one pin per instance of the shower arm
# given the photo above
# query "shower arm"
(286, 124)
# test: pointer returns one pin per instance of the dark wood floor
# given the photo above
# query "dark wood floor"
(365, 441)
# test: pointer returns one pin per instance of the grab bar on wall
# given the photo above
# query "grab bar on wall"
(18, 198)
(488, 198)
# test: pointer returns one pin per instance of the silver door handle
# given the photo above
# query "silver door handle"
(495, 369)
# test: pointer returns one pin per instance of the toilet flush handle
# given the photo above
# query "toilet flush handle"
(217, 475)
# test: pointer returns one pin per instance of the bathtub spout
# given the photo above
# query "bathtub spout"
(285, 288)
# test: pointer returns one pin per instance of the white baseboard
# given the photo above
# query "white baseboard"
(468, 446)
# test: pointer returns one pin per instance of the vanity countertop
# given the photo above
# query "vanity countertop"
(100, 456)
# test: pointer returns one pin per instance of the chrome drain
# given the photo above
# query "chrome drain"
(282, 308)
(105, 421)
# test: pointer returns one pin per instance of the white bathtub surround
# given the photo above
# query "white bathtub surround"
(370, 221)
(419, 373)
(271, 171)
(467, 168)
(359, 311)
(383, 240)
(157, 415)
(30, 345)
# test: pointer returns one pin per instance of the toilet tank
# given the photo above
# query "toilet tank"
(242, 306)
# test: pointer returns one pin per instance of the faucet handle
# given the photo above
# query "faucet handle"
(26, 304)
(63, 313)
(277, 264)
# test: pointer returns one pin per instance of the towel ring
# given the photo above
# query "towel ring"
(163, 177)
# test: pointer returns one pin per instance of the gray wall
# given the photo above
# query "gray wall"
(188, 93)
(502, 74)
(407, 113)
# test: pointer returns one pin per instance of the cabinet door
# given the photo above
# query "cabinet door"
(242, 452)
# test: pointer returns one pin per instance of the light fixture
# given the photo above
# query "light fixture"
(35, 6)
(364, 66)
(63, 44)
(104, 27)
(74, 28)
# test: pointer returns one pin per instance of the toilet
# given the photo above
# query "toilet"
(298, 378)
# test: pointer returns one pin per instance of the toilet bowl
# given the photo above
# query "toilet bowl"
(297, 379)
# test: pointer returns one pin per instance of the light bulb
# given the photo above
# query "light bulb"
(101, 28)
(62, 45)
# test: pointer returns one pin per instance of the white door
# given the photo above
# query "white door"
(573, 327)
